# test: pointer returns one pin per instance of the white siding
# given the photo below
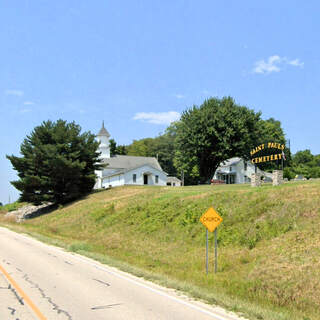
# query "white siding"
(152, 173)
(98, 184)
(127, 177)
(104, 147)
(241, 175)
(114, 181)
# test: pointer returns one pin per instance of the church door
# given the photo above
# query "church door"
(145, 179)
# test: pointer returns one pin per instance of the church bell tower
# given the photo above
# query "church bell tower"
(103, 138)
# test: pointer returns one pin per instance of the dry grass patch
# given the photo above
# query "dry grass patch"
(268, 242)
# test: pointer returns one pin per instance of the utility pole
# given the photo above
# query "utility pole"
(182, 178)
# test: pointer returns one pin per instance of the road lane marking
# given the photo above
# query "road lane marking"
(120, 274)
(23, 295)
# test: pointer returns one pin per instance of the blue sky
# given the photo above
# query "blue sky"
(138, 64)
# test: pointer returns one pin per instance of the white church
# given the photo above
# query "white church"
(126, 170)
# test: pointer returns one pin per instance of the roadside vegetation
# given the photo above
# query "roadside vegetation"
(269, 241)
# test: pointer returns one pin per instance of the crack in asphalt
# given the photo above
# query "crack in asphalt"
(67, 262)
(16, 294)
(105, 283)
(13, 310)
(55, 306)
(107, 306)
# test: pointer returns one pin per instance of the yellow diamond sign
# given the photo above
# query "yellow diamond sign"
(210, 219)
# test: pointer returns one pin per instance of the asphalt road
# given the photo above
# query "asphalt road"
(49, 283)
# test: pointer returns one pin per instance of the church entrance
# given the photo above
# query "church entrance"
(145, 179)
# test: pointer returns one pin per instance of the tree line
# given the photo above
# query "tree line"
(58, 162)
(217, 130)
(205, 136)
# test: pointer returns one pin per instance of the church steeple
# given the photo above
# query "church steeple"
(103, 131)
(103, 138)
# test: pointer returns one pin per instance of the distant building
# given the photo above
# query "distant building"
(173, 181)
(238, 170)
(126, 170)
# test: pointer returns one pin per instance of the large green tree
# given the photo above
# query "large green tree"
(217, 130)
(57, 163)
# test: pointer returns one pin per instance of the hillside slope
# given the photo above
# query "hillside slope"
(269, 241)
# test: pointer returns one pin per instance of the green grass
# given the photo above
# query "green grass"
(11, 207)
(269, 242)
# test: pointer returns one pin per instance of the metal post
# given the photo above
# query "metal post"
(182, 177)
(207, 251)
(215, 250)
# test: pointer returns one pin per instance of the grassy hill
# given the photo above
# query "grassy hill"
(269, 242)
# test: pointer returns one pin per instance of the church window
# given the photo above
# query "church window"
(157, 179)
(134, 178)
(245, 166)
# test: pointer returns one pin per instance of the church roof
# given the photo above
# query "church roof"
(173, 179)
(130, 162)
(103, 131)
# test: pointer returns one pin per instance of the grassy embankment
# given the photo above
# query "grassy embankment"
(269, 242)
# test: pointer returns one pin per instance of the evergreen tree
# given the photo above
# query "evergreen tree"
(57, 163)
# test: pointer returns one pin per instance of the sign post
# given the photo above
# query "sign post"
(207, 252)
(210, 219)
(215, 250)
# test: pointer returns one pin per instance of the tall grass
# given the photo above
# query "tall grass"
(269, 241)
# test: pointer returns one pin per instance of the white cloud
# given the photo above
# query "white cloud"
(28, 103)
(179, 96)
(275, 64)
(271, 65)
(296, 63)
(157, 118)
(17, 93)
(25, 110)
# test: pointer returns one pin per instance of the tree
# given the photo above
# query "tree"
(1, 204)
(114, 149)
(288, 173)
(270, 131)
(143, 148)
(161, 147)
(164, 148)
(303, 157)
(217, 130)
(57, 163)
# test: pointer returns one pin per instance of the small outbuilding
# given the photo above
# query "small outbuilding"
(173, 182)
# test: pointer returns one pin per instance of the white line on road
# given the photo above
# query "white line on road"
(114, 273)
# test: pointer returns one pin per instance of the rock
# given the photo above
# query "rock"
(29, 211)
